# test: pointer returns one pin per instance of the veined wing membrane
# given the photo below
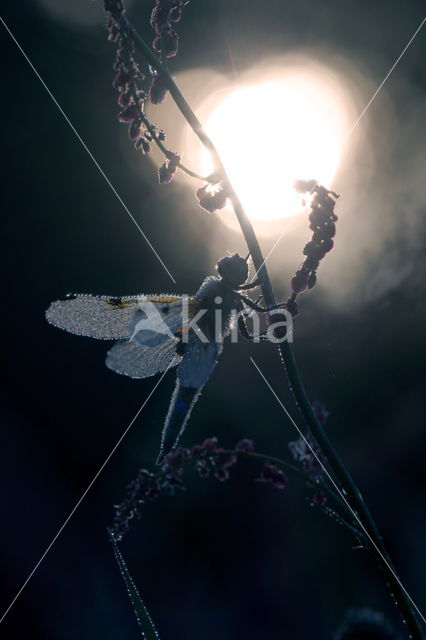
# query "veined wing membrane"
(103, 317)
(136, 361)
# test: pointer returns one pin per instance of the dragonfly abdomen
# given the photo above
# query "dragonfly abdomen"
(181, 405)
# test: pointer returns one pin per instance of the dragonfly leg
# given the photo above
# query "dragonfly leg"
(247, 335)
(258, 308)
(252, 285)
(247, 312)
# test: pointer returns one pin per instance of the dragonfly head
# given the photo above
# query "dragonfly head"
(233, 269)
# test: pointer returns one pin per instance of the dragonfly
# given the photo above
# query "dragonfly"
(154, 333)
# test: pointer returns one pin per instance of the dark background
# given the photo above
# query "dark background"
(239, 560)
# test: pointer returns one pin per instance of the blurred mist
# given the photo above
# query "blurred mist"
(240, 559)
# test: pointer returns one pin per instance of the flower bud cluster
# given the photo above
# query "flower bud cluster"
(158, 89)
(128, 77)
(208, 459)
(323, 224)
(127, 81)
(166, 41)
(271, 473)
(168, 169)
(169, 41)
(164, 13)
(212, 196)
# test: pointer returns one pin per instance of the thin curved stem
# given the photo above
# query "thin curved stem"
(351, 492)
(347, 485)
(293, 469)
(179, 99)
(154, 135)
(267, 458)
(169, 154)
(284, 465)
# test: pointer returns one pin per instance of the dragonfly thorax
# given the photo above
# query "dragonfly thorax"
(219, 301)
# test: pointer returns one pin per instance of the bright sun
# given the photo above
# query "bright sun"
(271, 134)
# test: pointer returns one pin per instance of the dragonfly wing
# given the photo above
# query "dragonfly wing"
(103, 317)
(158, 321)
(129, 359)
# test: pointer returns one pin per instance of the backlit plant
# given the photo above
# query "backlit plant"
(141, 75)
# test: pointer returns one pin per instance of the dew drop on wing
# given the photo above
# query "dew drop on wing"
(93, 316)
(127, 358)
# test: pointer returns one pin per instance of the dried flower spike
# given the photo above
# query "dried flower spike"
(322, 221)
(208, 459)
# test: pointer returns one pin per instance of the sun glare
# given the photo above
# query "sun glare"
(271, 134)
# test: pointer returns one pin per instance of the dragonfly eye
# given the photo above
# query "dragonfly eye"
(233, 269)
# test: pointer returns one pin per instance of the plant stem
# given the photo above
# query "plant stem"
(290, 467)
(350, 492)
(169, 154)
(154, 135)
(145, 622)
(287, 466)
(267, 458)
